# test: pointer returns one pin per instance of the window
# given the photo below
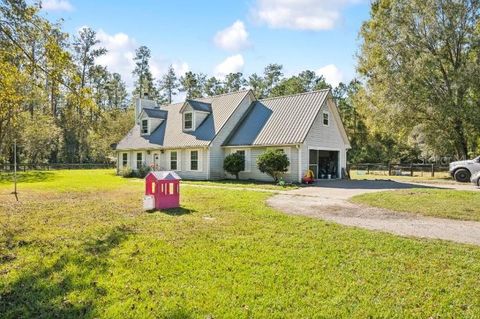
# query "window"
(194, 160)
(144, 126)
(124, 159)
(173, 160)
(139, 160)
(325, 118)
(188, 120)
(242, 153)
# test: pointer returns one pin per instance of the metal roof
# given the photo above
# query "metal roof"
(279, 121)
(156, 113)
(199, 105)
(169, 133)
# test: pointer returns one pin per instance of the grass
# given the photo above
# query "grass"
(443, 203)
(439, 178)
(78, 245)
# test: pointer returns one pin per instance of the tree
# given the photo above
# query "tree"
(234, 82)
(271, 76)
(169, 84)
(257, 84)
(116, 92)
(420, 59)
(86, 51)
(145, 82)
(192, 84)
(213, 86)
(234, 163)
(273, 163)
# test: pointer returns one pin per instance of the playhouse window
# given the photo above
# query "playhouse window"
(173, 161)
(188, 121)
(144, 126)
(325, 118)
(139, 160)
(124, 159)
(194, 160)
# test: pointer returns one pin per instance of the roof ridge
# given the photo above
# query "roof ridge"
(223, 94)
(294, 94)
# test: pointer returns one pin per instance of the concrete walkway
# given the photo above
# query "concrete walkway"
(329, 201)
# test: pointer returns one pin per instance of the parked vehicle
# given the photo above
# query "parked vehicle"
(462, 171)
(476, 179)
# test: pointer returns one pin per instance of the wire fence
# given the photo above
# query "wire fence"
(54, 166)
(410, 169)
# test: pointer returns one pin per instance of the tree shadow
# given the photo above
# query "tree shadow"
(179, 211)
(43, 291)
(27, 177)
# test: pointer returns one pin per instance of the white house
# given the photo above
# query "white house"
(193, 137)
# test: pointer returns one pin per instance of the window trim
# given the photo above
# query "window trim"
(328, 118)
(199, 160)
(141, 127)
(124, 160)
(177, 160)
(193, 121)
(136, 160)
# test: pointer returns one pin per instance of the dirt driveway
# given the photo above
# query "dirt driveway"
(329, 201)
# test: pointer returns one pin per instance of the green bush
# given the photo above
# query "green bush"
(234, 164)
(274, 163)
(143, 171)
(126, 172)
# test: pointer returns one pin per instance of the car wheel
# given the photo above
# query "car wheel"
(462, 175)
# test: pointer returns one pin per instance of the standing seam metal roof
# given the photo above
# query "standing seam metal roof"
(279, 121)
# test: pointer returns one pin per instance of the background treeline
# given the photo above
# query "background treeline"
(417, 96)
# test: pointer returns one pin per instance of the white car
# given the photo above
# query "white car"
(462, 171)
(476, 179)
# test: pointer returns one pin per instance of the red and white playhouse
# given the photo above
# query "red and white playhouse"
(162, 190)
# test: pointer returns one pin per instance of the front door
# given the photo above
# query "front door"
(156, 161)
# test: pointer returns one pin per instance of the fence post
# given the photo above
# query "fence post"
(411, 169)
(368, 169)
(433, 170)
(389, 169)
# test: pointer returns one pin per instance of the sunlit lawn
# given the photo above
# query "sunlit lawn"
(78, 245)
(443, 203)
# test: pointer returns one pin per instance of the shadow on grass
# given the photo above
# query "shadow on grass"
(174, 211)
(27, 177)
(43, 291)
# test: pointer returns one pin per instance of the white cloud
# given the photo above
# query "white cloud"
(300, 14)
(231, 64)
(332, 74)
(233, 38)
(121, 53)
(119, 58)
(57, 5)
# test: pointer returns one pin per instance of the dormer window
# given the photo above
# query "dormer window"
(188, 121)
(145, 127)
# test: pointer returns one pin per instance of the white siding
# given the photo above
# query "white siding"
(216, 150)
(254, 173)
(322, 137)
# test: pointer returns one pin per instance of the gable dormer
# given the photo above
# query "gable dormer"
(194, 113)
(149, 119)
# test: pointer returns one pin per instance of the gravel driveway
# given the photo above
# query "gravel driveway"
(329, 201)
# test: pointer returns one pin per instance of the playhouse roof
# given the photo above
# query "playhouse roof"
(165, 175)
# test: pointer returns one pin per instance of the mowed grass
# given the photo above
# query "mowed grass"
(445, 203)
(439, 178)
(91, 252)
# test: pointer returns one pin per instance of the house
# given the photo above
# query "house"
(192, 138)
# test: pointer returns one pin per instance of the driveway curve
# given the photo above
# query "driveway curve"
(329, 201)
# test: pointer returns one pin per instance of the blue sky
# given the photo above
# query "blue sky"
(217, 37)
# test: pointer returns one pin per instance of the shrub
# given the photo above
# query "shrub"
(126, 172)
(234, 164)
(143, 171)
(274, 163)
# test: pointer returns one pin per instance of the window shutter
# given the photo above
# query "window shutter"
(200, 160)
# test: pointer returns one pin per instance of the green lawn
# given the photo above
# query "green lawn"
(439, 178)
(444, 203)
(78, 245)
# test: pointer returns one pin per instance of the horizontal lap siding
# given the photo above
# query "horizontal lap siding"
(255, 174)
(216, 150)
(324, 137)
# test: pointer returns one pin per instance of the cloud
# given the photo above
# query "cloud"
(121, 53)
(300, 14)
(231, 64)
(332, 74)
(234, 38)
(57, 5)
